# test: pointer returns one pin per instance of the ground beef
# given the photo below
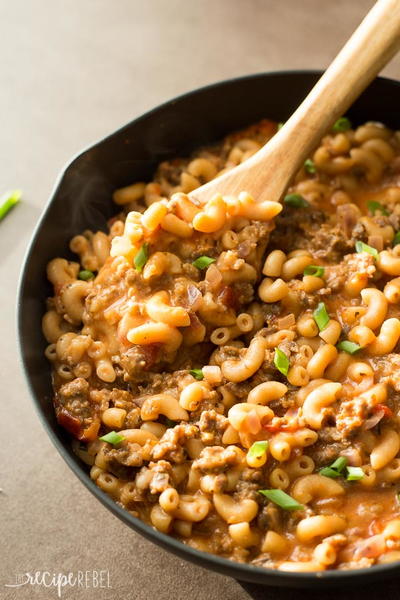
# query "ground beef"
(132, 419)
(198, 245)
(329, 231)
(293, 227)
(179, 291)
(218, 540)
(249, 484)
(73, 396)
(162, 382)
(170, 171)
(315, 231)
(337, 275)
(170, 446)
(329, 243)
(76, 411)
(388, 368)
(121, 399)
(223, 353)
(282, 405)
(138, 360)
(212, 426)
(272, 312)
(323, 454)
(216, 459)
(161, 476)
(244, 292)
(270, 517)
(120, 461)
(351, 415)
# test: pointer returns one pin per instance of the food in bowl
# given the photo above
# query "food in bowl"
(229, 371)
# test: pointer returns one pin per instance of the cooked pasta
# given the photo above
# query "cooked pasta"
(230, 371)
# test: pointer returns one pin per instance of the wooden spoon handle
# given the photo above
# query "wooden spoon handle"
(372, 45)
(267, 174)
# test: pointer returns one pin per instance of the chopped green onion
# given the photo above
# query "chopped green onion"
(197, 374)
(281, 361)
(321, 316)
(314, 270)
(112, 438)
(258, 449)
(354, 473)
(335, 469)
(339, 464)
(310, 166)
(8, 200)
(141, 257)
(203, 262)
(296, 200)
(373, 206)
(361, 247)
(349, 347)
(282, 499)
(396, 239)
(280, 125)
(342, 124)
(328, 472)
(86, 275)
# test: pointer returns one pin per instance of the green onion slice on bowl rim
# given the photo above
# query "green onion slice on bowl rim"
(8, 201)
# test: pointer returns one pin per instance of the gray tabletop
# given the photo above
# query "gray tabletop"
(72, 71)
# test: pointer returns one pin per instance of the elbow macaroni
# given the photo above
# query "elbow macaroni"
(194, 349)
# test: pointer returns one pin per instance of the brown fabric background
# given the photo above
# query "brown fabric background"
(72, 71)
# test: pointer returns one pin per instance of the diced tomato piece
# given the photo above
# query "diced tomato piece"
(90, 433)
(151, 354)
(76, 428)
(228, 297)
(69, 422)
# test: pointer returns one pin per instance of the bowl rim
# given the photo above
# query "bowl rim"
(240, 571)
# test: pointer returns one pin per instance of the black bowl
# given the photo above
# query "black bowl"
(82, 199)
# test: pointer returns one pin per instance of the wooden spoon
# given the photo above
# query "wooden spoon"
(267, 174)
